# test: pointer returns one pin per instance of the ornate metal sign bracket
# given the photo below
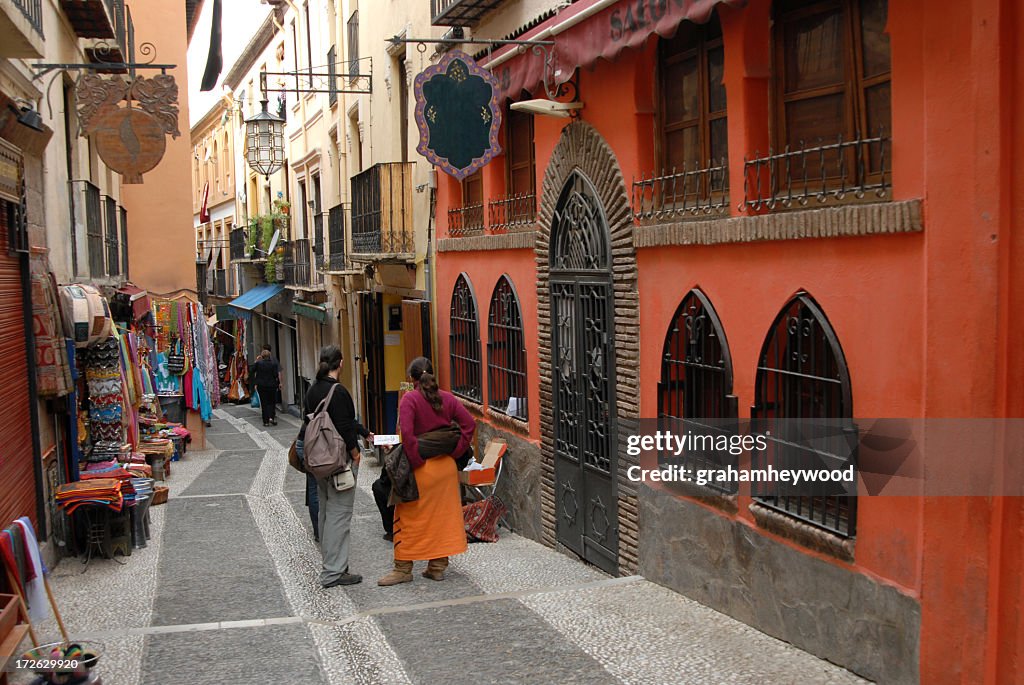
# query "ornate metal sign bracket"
(127, 118)
(356, 77)
(541, 48)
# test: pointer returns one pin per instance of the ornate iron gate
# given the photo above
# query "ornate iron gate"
(582, 314)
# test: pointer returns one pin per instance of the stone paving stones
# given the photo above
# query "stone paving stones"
(497, 642)
(269, 654)
(214, 565)
(234, 544)
(231, 441)
(231, 473)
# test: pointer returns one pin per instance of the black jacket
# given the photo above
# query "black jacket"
(266, 373)
(342, 411)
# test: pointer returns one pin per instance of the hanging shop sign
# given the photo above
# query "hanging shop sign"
(457, 114)
(128, 121)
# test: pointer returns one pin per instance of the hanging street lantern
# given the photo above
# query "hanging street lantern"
(264, 142)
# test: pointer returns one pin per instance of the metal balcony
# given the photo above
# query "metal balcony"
(460, 12)
(220, 282)
(297, 264)
(21, 28)
(336, 238)
(382, 221)
(236, 243)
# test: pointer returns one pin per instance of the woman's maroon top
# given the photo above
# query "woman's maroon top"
(416, 417)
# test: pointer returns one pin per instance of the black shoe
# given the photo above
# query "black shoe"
(273, 422)
(390, 537)
(345, 579)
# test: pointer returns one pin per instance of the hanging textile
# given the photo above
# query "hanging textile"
(35, 588)
(53, 371)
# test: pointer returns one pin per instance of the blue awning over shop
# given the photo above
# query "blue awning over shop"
(249, 300)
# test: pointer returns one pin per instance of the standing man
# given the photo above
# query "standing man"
(267, 376)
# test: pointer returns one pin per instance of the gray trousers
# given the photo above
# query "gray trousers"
(335, 526)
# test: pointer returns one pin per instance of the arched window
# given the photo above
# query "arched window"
(506, 352)
(802, 374)
(464, 342)
(695, 392)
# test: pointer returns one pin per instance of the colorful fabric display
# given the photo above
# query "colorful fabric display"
(99, 491)
(35, 588)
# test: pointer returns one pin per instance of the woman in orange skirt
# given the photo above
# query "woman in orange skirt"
(430, 527)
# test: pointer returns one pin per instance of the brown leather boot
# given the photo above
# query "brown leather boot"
(436, 568)
(402, 573)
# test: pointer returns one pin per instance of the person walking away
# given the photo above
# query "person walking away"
(267, 377)
(432, 526)
(334, 508)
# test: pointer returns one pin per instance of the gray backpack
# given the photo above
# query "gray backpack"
(324, 448)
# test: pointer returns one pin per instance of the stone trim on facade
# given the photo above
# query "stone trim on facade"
(522, 240)
(825, 222)
(582, 147)
(506, 422)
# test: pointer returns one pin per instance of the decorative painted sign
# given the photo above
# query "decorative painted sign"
(458, 115)
(131, 138)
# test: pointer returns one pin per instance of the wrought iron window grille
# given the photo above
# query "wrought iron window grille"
(382, 210)
(110, 237)
(512, 213)
(844, 171)
(694, 193)
(466, 220)
(33, 11)
(802, 374)
(94, 230)
(696, 383)
(506, 353)
(464, 342)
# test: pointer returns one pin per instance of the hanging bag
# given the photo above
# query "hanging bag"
(324, 448)
(176, 358)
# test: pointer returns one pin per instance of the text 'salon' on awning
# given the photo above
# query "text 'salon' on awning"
(623, 24)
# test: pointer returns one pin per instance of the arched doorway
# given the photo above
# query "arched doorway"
(584, 375)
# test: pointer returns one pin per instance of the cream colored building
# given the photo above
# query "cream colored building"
(213, 190)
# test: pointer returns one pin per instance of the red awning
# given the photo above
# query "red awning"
(603, 32)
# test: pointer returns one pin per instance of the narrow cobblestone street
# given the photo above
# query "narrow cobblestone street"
(227, 592)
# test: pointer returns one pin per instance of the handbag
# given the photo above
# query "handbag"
(176, 358)
(293, 459)
(344, 480)
(482, 517)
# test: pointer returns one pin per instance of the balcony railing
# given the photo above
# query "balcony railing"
(382, 221)
(94, 230)
(460, 12)
(124, 241)
(336, 238)
(511, 213)
(236, 244)
(467, 220)
(844, 171)
(694, 193)
(33, 11)
(297, 265)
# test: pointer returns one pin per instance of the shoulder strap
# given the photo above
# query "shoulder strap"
(326, 402)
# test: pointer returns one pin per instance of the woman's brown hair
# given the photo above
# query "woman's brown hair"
(422, 371)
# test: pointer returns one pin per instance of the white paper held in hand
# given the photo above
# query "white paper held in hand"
(386, 439)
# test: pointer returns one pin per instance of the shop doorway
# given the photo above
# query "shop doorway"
(293, 333)
(371, 315)
(583, 364)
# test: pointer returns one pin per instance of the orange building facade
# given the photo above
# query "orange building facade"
(838, 171)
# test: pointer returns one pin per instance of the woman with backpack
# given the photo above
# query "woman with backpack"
(430, 527)
(335, 515)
